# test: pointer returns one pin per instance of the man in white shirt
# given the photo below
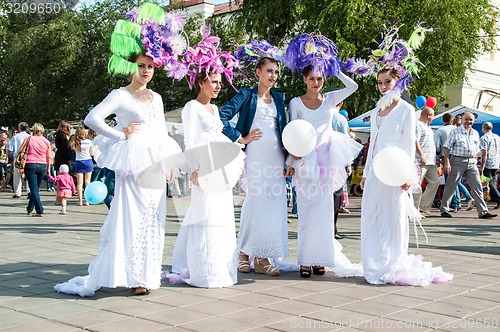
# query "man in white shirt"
(14, 145)
(425, 156)
(460, 159)
(490, 158)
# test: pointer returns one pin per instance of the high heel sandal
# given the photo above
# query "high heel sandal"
(305, 273)
(319, 270)
(243, 264)
(265, 269)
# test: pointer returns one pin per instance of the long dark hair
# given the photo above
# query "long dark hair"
(64, 127)
(199, 79)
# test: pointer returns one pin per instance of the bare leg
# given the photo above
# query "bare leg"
(79, 187)
(87, 177)
(63, 205)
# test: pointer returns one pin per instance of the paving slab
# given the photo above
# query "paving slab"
(36, 253)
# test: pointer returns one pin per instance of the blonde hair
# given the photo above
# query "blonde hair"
(91, 134)
(79, 136)
(38, 129)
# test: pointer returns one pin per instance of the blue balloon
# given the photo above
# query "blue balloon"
(344, 113)
(96, 192)
(420, 101)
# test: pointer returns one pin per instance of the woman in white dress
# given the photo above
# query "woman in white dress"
(263, 233)
(323, 171)
(132, 236)
(138, 150)
(205, 252)
(386, 210)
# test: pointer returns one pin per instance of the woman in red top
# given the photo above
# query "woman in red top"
(37, 159)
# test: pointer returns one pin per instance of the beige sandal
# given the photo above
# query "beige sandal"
(140, 291)
(243, 264)
(267, 269)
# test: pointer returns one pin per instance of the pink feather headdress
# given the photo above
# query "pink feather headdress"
(207, 57)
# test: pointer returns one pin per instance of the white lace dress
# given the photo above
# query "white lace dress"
(205, 252)
(263, 226)
(385, 209)
(132, 235)
(317, 176)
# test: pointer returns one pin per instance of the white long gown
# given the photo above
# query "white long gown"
(384, 215)
(317, 176)
(263, 226)
(205, 253)
(132, 235)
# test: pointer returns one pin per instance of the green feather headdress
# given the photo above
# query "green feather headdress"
(145, 31)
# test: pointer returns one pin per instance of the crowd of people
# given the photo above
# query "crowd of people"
(141, 157)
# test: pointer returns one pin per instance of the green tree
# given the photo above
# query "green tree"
(356, 26)
(55, 66)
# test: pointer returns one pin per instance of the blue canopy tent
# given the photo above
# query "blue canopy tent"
(362, 122)
(481, 116)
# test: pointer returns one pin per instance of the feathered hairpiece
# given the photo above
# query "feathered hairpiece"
(313, 50)
(252, 52)
(151, 31)
(205, 57)
(392, 53)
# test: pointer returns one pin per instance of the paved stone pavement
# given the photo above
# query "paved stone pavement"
(36, 253)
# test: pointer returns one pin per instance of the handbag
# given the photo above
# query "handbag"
(20, 160)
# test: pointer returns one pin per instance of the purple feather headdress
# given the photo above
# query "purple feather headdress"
(252, 52)
(206, 57)
(313, 50)
(149, 30)
(392, 53)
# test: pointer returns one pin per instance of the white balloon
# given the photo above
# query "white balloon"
(393, 166)
(299, 137)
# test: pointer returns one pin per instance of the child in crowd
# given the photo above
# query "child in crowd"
(65, 186)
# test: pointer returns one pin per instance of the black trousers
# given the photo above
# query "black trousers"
(494, 193)
(337, 203)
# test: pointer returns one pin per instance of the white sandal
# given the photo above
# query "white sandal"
(267, 269)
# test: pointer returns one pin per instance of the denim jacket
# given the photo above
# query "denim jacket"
(245, 103)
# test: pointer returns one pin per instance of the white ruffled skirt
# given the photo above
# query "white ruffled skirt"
(143, 150)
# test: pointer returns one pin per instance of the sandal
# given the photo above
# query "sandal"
(243, 264)
(319, 270)
(265, 269)
(305, 273)
(140, 291)
(344, 210)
